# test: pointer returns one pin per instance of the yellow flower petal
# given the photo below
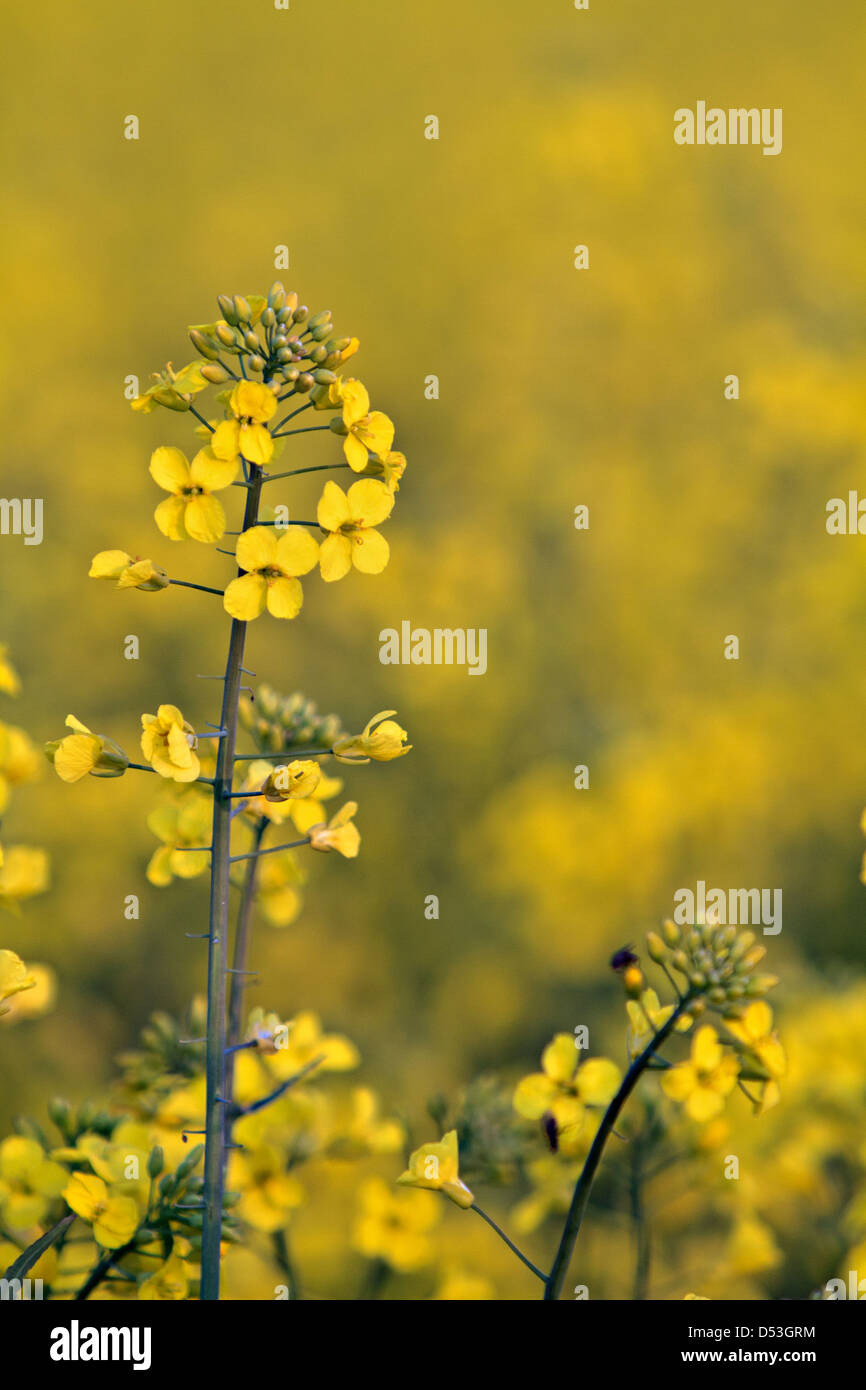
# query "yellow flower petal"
(370, 552)
(257, 548)
(296, 552)
(169, 468)
(333, 509)
(204, 518)
(169, 517)
(284, 597)
(245, 597)
(335, 557)
(370, 502)
(212, 473)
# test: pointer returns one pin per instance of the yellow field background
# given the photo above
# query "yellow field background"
(558, 387)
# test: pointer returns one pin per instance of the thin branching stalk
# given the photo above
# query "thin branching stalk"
(240, 956)
(218, 926)
(571, 1230)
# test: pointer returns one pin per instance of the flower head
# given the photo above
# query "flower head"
(84, 753)
(20, 761)
(114, 1219)
(382, 740)
(394, 1226)
(168, 744)
(191, 512)
(339, 833)
(704, 1081)
(436, 1166)
(565, 1087)
(23, 874)
(272, 565)
(182, 826)
(246, 435)
(350, 519)
(127, 572)
(298, 778)
(366, 432)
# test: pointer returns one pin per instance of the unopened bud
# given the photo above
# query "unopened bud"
(203, 345)
(227, 309)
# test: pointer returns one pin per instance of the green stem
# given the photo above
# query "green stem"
(583, 1187)
(640, 1225)
(316, 468)
(240, 954)
(510, 1243)
(218, 925)
(205, 589)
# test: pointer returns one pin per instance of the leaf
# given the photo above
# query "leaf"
(28, 1257)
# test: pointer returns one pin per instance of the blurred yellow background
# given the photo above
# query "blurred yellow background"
(558, 387)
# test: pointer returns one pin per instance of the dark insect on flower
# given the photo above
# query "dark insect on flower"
(622, 959)
(551, 1132)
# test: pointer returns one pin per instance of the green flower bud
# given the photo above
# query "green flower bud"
(203, 345)
(671, 933)
(216, 373)
(225, 335)
(269, 318)
(656, 948)
(257, 363)
(155, 1162)
(242, 309)
(227, 309)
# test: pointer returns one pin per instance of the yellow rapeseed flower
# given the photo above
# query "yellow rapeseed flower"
(84, 753)
(36, 998)
(565, 1087)
(10, 683)
(172, 389)
(394, 1226)
(114, 1219)
(339, 833)
(754, 1029)
(23, 874)
(246, 435)
(169, 1283)
(366, 432)
(646, 1016)
(20, 761)
(14, 977)
(350, 519)
(704, 1081)
(191, 512)
(268, 1193)
(436, 1166)
(272, 566)
(126, 571)
(382, 740)
(167, 742)
(29, 1182)
(182, 826)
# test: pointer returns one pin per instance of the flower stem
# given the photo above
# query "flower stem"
(556, 1278)
(215, 1056)
(510, 1243)
(240, 954)
(205, 589)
